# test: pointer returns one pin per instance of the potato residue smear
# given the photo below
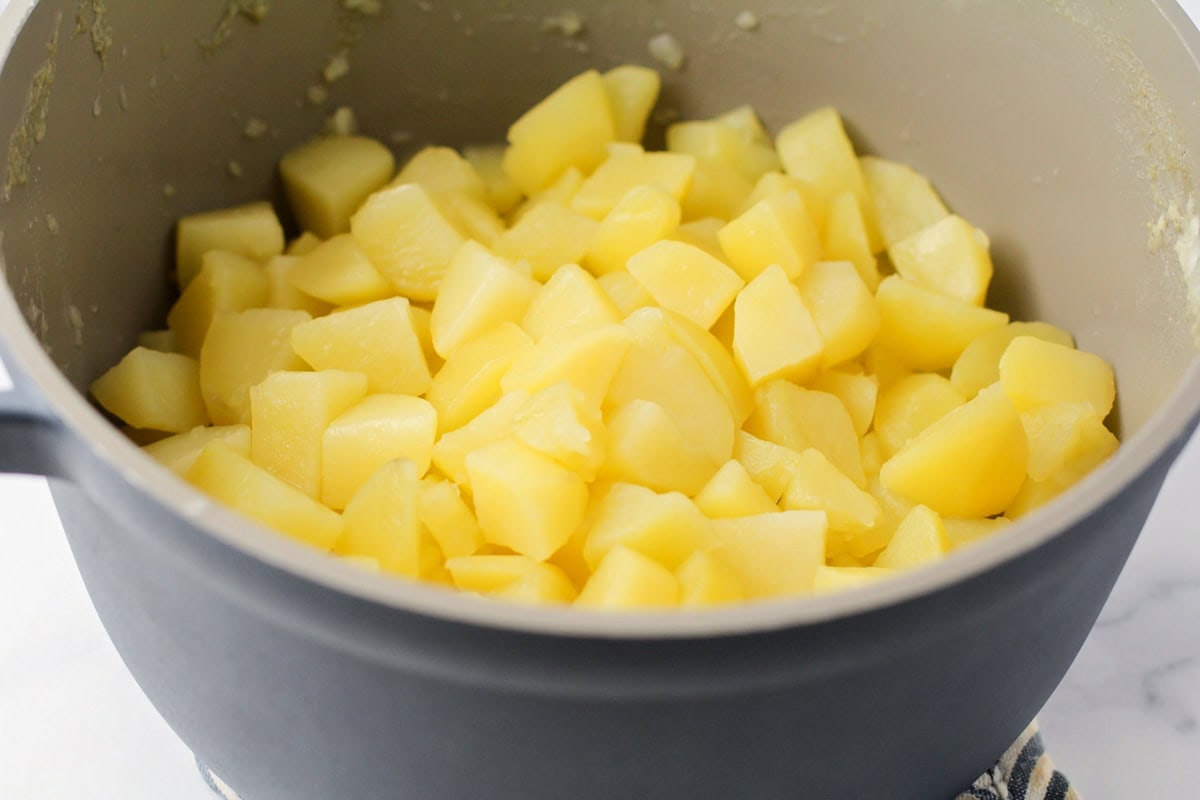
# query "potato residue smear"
(254, 11)
(91, 17)
(666, 50)
(31, 127)
(568, 23)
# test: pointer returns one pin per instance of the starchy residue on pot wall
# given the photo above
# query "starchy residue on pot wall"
(253, 10)
(31, 128)
(91, 17)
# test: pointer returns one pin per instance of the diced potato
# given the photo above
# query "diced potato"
(548, 236)
(843, 308)
(817, 485)
(640, 218)
(840, 579)
(705, 581)
(731, 492)
(774, 334)
(950, 257)
(816, 150)
(721, 143)
(471, 215)
(379, 429)
(226, 282)
(744, 119)
(885, 366)
(910, 406)
(979, 365)
(627, 580)
(717, 191)
(857, 392)
(775, 554)
(665, 527)
(524, 500)
(442, 170)
(152, 390)
(624, 290)
(252, 231)
(1066, 441)
(770, 465)
(776, 231)
(381, 520)
(632, 92)
(702, 233)
(328, 178)
(846, 238)
(559, 422)
(282, 293)
(232, 479)
(627, 167)
(920, 539)
(558, 193)
(422, 322)
(339, 272)
(502, 194)
(872, 454)
(240, 350)
(903, 199)
(407, 238)
(970, 463)
(586, 356)
(927, 330)
(962, 532)
(570, 297)
(448, 519)
(489, 426)
(470, 380)
(512, 577)
(776, 183)
(686, 280)
(479, 291)
(289, 413)
(163, 341)
(376, 339)
(1036, 373)
(800, 418)
(303, 244)
(177, 453)
(572, 127)
(646, 447)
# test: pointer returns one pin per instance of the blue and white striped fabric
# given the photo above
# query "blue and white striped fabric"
(1025, 772)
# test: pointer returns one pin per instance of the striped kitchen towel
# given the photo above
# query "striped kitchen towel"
(1025, 772)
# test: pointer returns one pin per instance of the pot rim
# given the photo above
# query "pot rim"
(108, 446)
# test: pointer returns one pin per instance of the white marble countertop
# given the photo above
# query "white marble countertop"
(1125, 723)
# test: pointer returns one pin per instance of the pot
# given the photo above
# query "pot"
(1066, 129)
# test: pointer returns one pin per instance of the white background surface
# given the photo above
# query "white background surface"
(1125, 723)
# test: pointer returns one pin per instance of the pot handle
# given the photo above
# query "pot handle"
(31, 439)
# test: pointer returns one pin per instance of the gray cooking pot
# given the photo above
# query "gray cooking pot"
(1068, 130)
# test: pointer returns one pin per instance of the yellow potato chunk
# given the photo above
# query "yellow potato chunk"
(858, 393)
(442, 170)
(632, 92)
(950, 257)
(524, 500)
(226, 282)
(1066, 440)
(378, 429)
(381, 520)
(512, 577)
(547, 236)
(665, 527)
(840, 579)
(572, 127)
(774, 333)
(471, 215)
(422, 321)
(843, 308)
(240, 350)
(872, 454)
(721, 143)
(627, 294)
(489, 426)
(717, 191)
(910, 406)
(448, 519)
(408, 239)
(502, 194)
(845, 238)
(282, 293)
(903, 199)
(289, 413)
(1035, 373)
(628, 580)
(731, 492)
(979, 365)
(646, 447)
(927, 330)
(479, 291)
(799, 418)
(627, 167)
(154, 391)
(326, 179)
(469, 381)
(775, 554)
(770, 465)
(559, 422)
(640, 218)
(705, 581)
(686, 280)
(702, 233)
(232, 479)
(339, 272)
(962, 532)
(776, 231)
(920, 539)
(252, 231)
(558, 193)
(816, 150)
(970, 463)
(585, 356)
(376, 339)
(571, 297)
(817, 485)
(179, 452)
(885, 366)
(303, 244)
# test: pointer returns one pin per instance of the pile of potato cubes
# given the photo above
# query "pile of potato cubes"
(570, 370)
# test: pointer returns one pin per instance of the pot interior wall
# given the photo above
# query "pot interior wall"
(1034, 120)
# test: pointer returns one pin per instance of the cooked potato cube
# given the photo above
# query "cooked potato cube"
(950, 257)
(717, 191)
(327, 178)
(686, 280)
(624, 290)
(252, 231)
(381, 520)
(479, 291)
(513, 577)
(303, 244)
(377, 340)
(774, 554)
(979, 365)
(731, 492)
(422, 322)
(339, 272)
(501, 193)
(962, 532)
(911, 405)
(489, 426)
(282, 293)
(858, 393)
(721, 143)
(665, 527)
(572, 127)
(226, 282)
(441, 170)
(817, 485)
(1036, 373)
(152, 390)
(585, 356)
(774, 334)
(970, 463)
(772, 184)
(927, 330)
(646, 447)
(1065, 439)
(843, 308)
(840, 579)
(627, 580)
(816, 150)
(775, 231)
(632, 92)
(547, 236)
(470, 380)
(872, 454)
(558, 193)
(379, 429)
(640, 218)
(920, 539)
(230, 478)
(627, 167)
(448, 519)
(179, 452)
(559, 422)
(903, 199)
(770, 465)
(705, 581)
(570, 297)
(240, 350)
(846, 238)
(800, 418)
(702, 233)
(884, 366)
